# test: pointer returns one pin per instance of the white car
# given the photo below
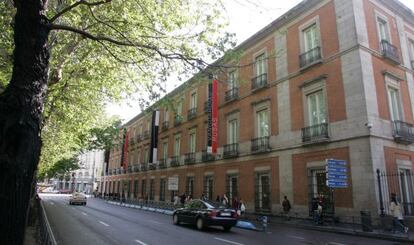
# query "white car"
(77, 198)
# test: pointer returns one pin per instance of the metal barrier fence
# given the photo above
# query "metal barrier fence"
(46, 234)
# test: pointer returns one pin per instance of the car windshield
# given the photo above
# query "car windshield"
(210, 204)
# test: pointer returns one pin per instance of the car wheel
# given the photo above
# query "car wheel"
(227, 228)
(200, 223)
(176, 221)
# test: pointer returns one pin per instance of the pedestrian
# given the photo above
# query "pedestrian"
(286, 207)
(203, 197)
(315, 210)
(395, 209)
(182, 199)
(242, 207)
(176, 200)
(218, 198)
(235, 203)
(224, 200)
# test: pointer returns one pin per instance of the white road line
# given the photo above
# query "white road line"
(155, 222)
(84, 213)
(336, 243)
(297, 237)
(228, 241)
(142, 243)
(105, 224)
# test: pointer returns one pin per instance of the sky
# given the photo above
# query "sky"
(246, 17)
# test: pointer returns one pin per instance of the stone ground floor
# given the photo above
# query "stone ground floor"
(262, 180)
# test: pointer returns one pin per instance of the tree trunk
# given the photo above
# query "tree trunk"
(21, 106)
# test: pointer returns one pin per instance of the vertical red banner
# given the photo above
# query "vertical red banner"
(214, 117)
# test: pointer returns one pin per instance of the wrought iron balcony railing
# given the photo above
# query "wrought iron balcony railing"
(165, 125)
(129, 169)
(175, 161)
(315, 133)
(260, 144)
(192, 113)
(135, 168)
(231, 94)
(190, 158)
(162, 163)
(231, 150)
(143, 167)
(177, 120)
(310, 57)
(207, 157)
(390, 51)
(403, 132)
(152, 166)
(259, 81)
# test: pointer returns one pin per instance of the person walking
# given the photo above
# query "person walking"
(242, 207)
(286, 207)
(176, 200)
(225, 200)
(395, 209)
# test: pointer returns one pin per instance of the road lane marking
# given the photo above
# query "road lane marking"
(155, 222)
(84, 213)
(105, 224)
(336, 243)
(297, 237)
(228, 241)
(142, 243)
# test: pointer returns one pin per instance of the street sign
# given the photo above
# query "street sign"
(173, 183)
(336, 173)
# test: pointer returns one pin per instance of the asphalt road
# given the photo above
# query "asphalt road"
(102, 223)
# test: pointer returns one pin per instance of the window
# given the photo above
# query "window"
(193, 100)
(140, 129)
(262, 123)
(208, 187)
(135, 188)
(310, 38)
(146, 155)
(232, 82)
(190, 186)
(143, 189)
(177, 145)
(394, 103)
(162, 189)
(260, 65)
(166, 115)
(165, 150)
(139, 157)
(192, 142)
(233, 129)
(232, 187)
(406, 189)
(316, 108)
(179, 107)
(262, 192)
(383, 31)
(152, 189)
(318, 188)
(411, 50)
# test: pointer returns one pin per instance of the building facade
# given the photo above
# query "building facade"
(330, 79)
(87, 178)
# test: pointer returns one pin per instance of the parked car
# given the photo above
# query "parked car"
(203, 214)
(77, 198)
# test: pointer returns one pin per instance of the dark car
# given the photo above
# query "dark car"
(204, 214)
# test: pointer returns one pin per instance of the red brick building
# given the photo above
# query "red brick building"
(330, 79)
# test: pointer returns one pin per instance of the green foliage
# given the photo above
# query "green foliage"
(60, 168)
(160, 39)
(104, 138)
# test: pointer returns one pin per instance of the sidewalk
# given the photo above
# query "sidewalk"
(353, 228)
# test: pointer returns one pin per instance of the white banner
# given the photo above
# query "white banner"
(173, 183)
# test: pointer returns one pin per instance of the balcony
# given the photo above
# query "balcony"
(231, 94)
(143, 167)
(162, 163)
(118, 171)
(259, 81)
(146, 134)
(403, 132)
(390, 52)
(129, 169)
(315, 134)
(231, 150)
(206, 107)
(207, 157)
(310, 57)
(190, 158)
(165, 125)
(135, 168)
(175, 161)
(192, 113)
(177, 120)
(152, 166)
(260, 144)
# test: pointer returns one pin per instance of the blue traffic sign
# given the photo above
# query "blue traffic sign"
(337, 184)
(336, 162)
(336, 176)
(337, 170)
(337, 173)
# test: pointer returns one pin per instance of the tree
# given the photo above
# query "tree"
(60, 168)
(102, 49)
